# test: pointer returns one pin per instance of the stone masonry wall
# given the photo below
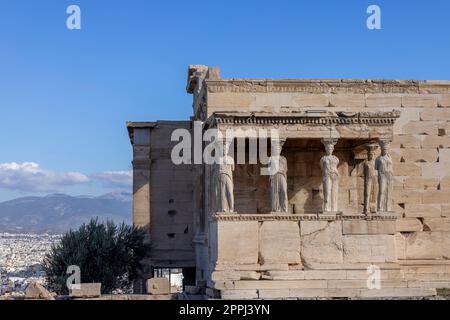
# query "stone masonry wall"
(420, 148)
(172, 201)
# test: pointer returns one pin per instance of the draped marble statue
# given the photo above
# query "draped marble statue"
(224, 189)
(370, 180)
(383, 165)
(278, 184)
(330, 176)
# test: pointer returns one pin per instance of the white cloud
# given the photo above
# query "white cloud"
(114, 179)
(28, 176)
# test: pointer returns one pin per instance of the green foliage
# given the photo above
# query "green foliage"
(445, 292)
(104, 252)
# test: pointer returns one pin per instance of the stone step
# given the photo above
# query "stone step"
(282, 284)
(352, 266)
(172, 296)
(397, 292)
(427, 276)
(230, 267)
(331, 275)
(417, 263)
(305, 284)
(429, 284)
(422, 269)
(362, 284)
(327, 293)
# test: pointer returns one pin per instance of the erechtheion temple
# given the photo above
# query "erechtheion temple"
(358, 204)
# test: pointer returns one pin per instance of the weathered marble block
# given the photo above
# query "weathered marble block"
(369, 248)
(321, 241)
(158, 286)
(423, 245)
(362, 227)
(86, 290)
(279, 242)
(237, 242)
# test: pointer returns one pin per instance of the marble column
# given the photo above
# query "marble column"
(330, 177)
(383, 165)
(278, 178)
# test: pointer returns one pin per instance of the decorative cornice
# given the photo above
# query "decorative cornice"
(300, 217)
(131, 125)
(346, 86)
(141, 164)
(326, 118)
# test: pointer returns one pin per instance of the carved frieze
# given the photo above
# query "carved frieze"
(326, 118)
(299, 217)
(327, 86)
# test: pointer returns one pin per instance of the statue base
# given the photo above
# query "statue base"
(278, 213)
(331, 213)
(385, 213)
(226, 212)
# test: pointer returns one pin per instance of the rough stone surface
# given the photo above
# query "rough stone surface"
(423, 245)
(238, 242)
(279, 242)
(369, 248)
(409, 225)
(37, 291)
(158, 286)
(86, 290)
(366, 227)
(321, 242)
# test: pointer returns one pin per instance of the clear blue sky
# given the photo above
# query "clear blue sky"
(65, 95)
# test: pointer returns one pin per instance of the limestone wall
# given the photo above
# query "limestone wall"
(260, 244)
(420, 149)
(256, 257)
(172, 201)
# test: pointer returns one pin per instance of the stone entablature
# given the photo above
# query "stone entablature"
(313, 117)
(300, 217)
(324, 86)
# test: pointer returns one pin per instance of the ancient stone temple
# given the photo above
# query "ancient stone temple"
(351, 200)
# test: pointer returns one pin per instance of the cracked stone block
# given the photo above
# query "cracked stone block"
(321, 242)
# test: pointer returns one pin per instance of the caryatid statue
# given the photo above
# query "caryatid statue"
(278, 185)
(278, 179)
(370, 179)
(224, 179)
(330, 176)
(383, 165)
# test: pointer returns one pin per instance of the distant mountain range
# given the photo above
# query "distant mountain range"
(57, 213)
